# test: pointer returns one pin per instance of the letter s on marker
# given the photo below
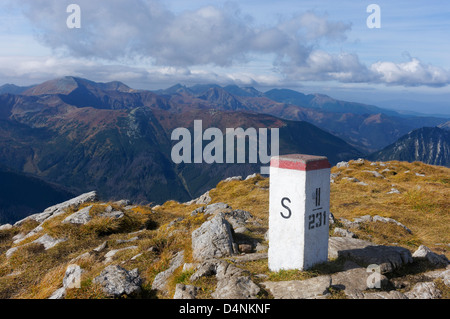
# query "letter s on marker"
(288, 209)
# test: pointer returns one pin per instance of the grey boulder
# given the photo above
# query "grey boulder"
(213, 239)
(117, 281)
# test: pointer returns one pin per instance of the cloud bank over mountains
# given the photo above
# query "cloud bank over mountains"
(138, 39)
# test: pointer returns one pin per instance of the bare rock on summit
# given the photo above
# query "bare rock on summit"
(213, 239)
(59, 209)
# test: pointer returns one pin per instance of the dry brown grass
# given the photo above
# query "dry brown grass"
(422, 205)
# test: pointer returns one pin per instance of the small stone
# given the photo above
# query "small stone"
(185, 292)
(101, 247)
(375, 174)
(251, 176)
(245, 248)
(394, 191)
(109, 256)
(343, 232)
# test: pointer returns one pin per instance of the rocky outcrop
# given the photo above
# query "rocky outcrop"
(83, 216)
(59, 209)
(110, 254)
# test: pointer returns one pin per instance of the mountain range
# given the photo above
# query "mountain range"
(86, 135)
(366, 127)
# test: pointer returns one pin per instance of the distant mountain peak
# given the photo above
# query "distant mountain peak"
(243, 91)
(67, 84)
(222, 98)
(13, 89)
(430, 145)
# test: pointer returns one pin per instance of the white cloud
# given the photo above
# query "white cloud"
(142, 40)
(222, 36)
(411, 73)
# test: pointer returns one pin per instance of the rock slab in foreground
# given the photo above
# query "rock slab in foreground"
(388, 258)
(299, 289)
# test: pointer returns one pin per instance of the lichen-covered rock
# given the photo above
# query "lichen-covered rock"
(117, 281)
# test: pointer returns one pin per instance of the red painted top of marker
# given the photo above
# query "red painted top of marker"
(300, 162)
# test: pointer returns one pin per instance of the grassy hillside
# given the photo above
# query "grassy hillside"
(421, 204)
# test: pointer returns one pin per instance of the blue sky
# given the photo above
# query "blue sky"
(311, 46)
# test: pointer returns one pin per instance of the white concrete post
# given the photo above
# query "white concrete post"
(299, 207)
